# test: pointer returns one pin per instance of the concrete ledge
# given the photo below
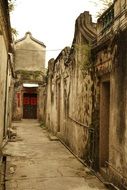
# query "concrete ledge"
(52, 137)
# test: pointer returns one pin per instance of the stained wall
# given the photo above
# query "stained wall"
(69, 90)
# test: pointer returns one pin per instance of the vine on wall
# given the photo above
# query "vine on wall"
(84, 57)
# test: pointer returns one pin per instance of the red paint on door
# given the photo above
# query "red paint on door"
(29, 106)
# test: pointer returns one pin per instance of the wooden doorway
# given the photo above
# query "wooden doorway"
(30, 106)
(104, 123)
(58, 105)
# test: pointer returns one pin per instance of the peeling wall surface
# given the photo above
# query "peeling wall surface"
(29, 69)
(3, 59)
(111, 72)
(86, 93)
(5, 72)
(69, 90)
(83, 97)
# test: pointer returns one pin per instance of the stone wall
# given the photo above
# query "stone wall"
(86, 94)
(69, 90)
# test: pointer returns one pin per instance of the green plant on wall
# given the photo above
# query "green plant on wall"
(29, 75)
(11, 5)
(25, 74)
(103, 6)
(36, 74)
(11, 8)
(84, 57)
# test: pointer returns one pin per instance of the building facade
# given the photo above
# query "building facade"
(69, 91)
(109, 58)
(86, 93)
(6, 70)
(29, 86)
(85, 99)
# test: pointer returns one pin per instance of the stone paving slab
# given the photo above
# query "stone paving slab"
(37, 163)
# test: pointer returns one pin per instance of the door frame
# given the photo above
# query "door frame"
(30, 90)
(104, 126)
(58, 105)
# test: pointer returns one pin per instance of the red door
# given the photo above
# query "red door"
(29, 106)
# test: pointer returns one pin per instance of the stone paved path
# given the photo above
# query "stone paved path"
(34, 162)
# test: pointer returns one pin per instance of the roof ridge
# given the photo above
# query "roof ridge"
(31, 37)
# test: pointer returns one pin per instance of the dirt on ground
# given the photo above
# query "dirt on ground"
(36, 162)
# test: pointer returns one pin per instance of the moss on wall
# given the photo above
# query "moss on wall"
(84, 57)
(29, 75)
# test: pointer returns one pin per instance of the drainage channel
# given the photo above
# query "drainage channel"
(109, 185)
(3, 173)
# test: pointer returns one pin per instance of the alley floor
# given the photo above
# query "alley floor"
(35, 162)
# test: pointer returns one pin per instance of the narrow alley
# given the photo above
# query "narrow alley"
(35, 161)
(61, 114)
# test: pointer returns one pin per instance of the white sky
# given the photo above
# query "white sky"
(50, 21)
